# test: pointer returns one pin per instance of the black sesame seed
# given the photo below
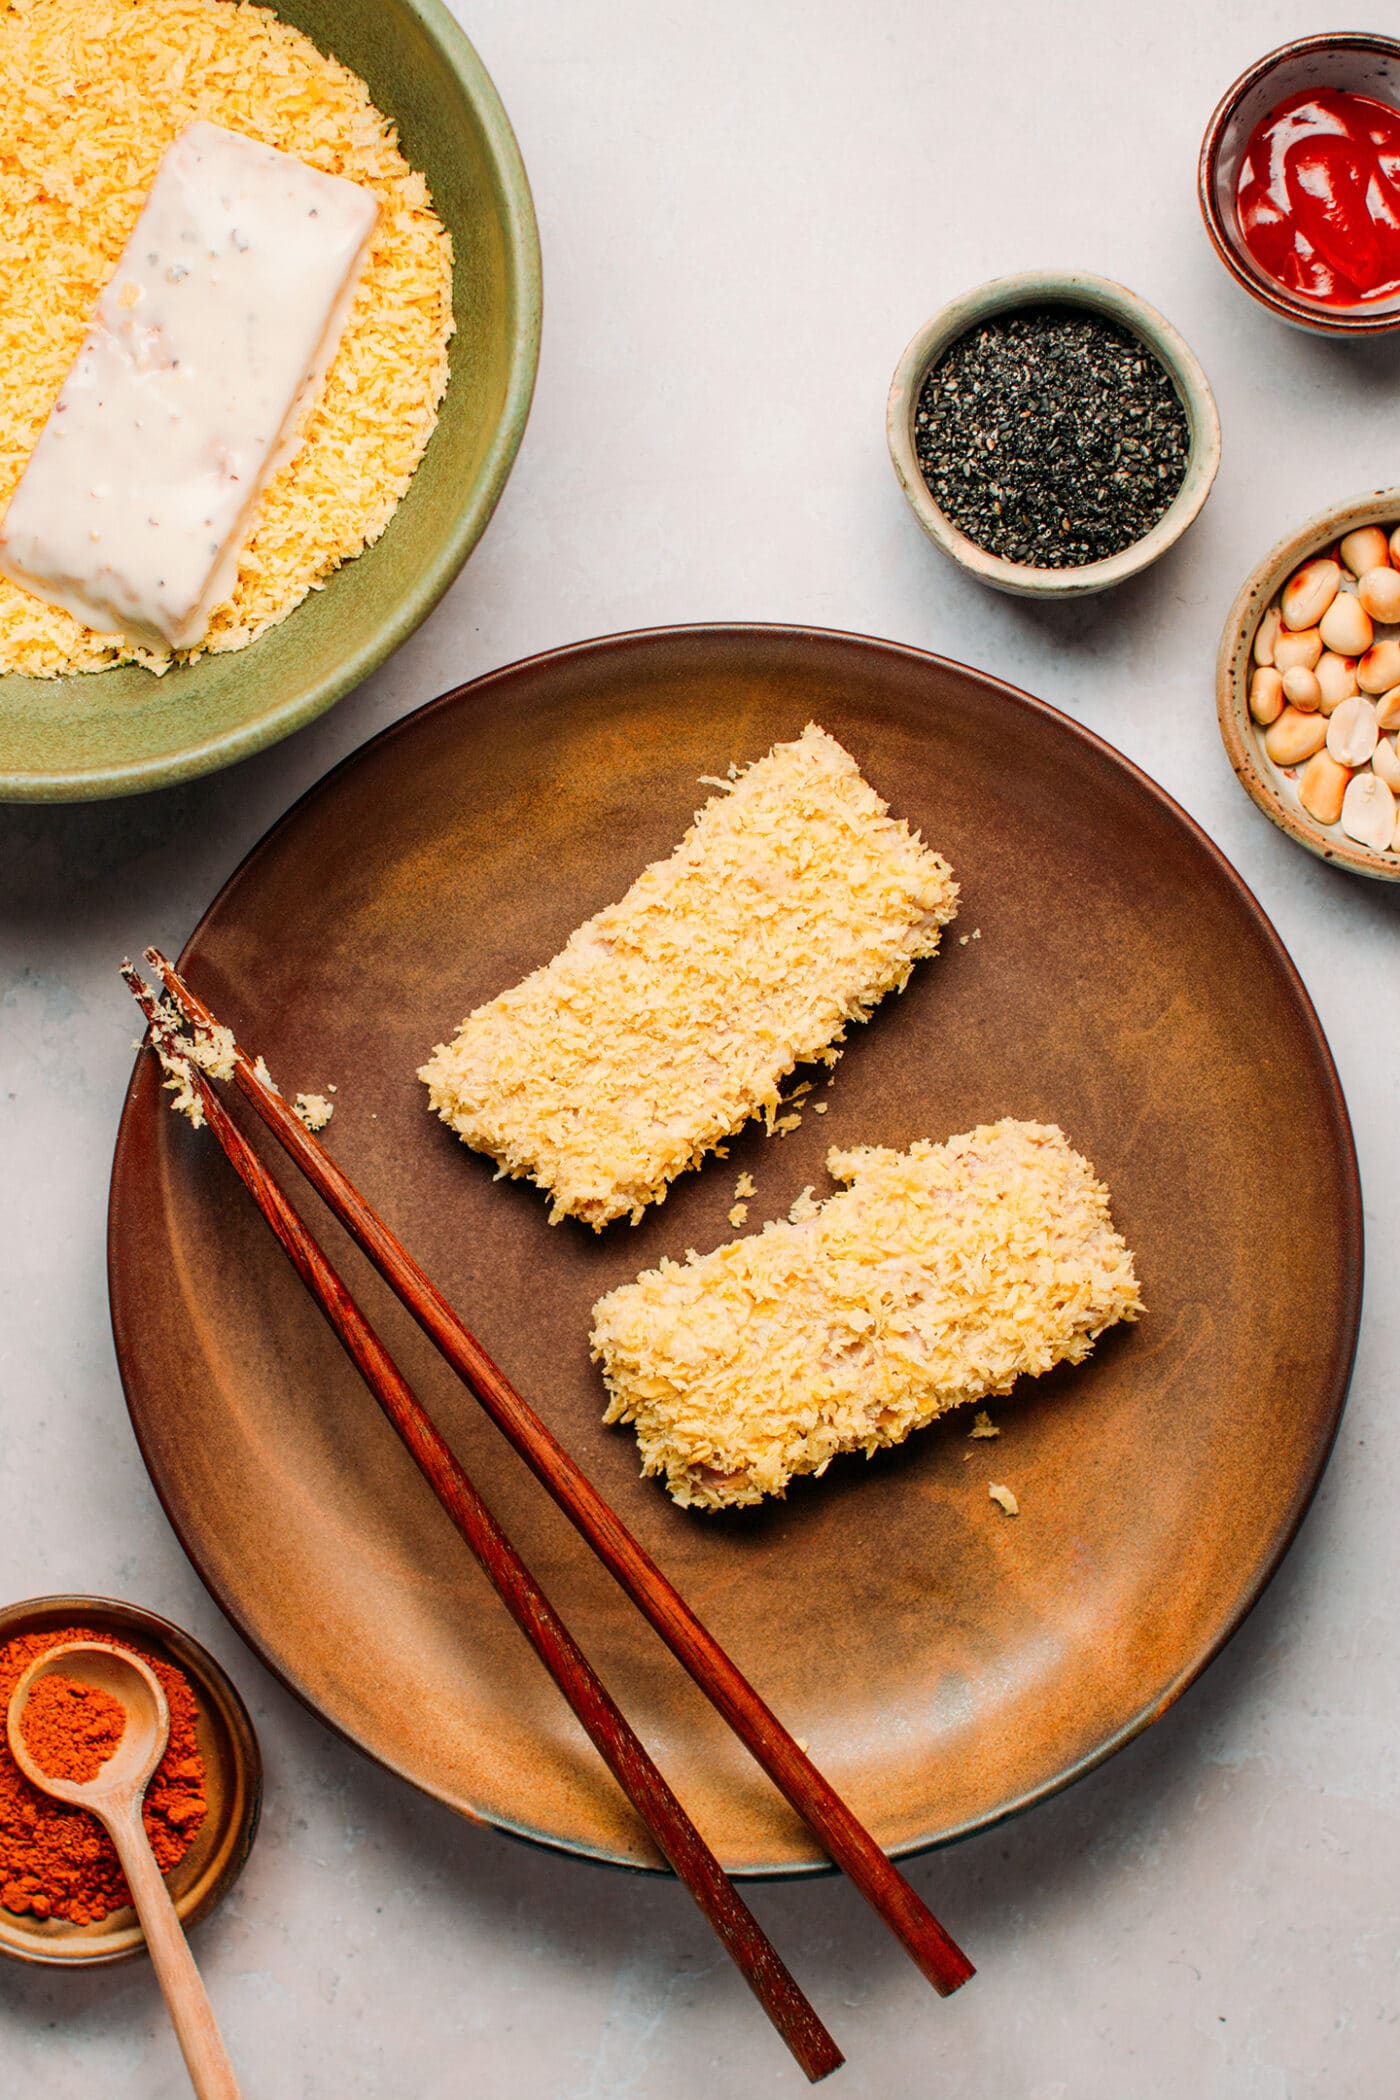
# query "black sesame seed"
(1051, 437)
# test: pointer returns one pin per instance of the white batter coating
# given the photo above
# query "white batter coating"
(207, 351)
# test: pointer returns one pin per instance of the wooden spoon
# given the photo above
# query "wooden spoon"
(114, 1796)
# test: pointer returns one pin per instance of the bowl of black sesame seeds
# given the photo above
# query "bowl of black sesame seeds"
(1052, 433)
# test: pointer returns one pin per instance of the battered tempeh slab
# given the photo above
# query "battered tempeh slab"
(941, 1275)
(792, 905)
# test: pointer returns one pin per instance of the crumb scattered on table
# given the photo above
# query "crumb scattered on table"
(1004, 1496)
(983, 1425)
(314, 1109)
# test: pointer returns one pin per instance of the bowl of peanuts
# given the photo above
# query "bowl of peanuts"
(1308, 685)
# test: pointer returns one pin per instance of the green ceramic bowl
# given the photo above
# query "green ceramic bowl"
(117, 732)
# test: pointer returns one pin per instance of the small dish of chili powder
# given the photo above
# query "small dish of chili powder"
(1053, 434)
(63, 1897)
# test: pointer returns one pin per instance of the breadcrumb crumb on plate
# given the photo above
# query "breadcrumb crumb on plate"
(314, 1110)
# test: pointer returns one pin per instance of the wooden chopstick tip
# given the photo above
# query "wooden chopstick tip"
(188, 1052)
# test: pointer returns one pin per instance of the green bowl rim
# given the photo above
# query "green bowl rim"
(523, 271)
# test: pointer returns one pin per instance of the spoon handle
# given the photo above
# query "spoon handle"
(191, 2014)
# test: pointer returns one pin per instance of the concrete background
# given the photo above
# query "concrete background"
(745, 212)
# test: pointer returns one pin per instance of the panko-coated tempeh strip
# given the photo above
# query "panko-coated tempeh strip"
(792, 906)
(939, 1276)
(204, 359)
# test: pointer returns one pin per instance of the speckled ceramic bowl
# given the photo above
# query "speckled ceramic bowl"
(117, 732)
(1054, 288)
(233, 1785)
(1241, 733)
(1354, 61)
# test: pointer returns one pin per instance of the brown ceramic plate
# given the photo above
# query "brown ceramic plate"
(946, 1664)
(233, 1785)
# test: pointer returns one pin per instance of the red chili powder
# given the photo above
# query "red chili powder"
(57, 1861)
(70, 1729)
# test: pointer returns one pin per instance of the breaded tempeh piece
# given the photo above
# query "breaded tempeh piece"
(792, 905)
(941, 1275)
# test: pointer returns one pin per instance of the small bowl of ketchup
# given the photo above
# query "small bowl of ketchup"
(1300, 183)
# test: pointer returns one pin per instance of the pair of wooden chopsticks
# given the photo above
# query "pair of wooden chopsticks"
(842, 1836)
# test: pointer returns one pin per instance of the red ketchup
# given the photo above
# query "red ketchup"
(1319, 196)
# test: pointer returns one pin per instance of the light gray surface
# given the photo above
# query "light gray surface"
(745, 212)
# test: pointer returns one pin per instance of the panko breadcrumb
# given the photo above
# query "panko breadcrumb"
(93, 92)
(180, 1048)
(314, 1110)
(939, 1276)
(792, 906)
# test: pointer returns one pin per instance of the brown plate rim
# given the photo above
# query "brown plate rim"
(1343, 1152)
(194, 1658)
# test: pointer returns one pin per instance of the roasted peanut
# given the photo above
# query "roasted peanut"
(1385, 764)
(1352, 732)
(1379, 668)
(1307, 595)
(1388, 709)
(1266, 695)
(1303, 648)
(1301, 689)
(1346, 624)
(1379, 592)
(1365, 549)
(1265, 635)
(1294, 737)
(1369, 812)
(1321, 786)
(1336, 678)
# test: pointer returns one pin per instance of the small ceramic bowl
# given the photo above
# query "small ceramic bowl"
(1053, 288)
(1355, 62)
(1241, 733)
(233, 1782)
